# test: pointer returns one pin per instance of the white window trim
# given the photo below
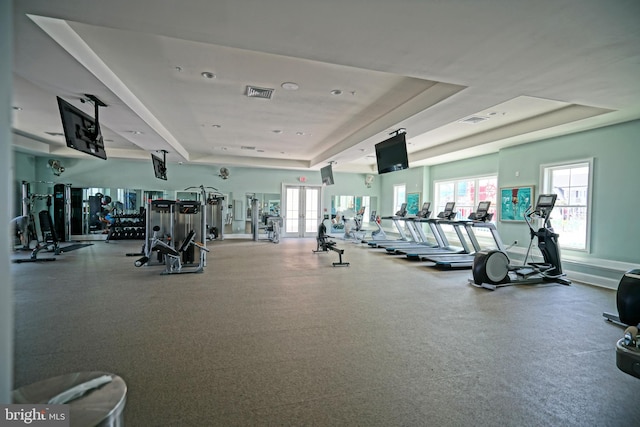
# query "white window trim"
(463, 178)
(395, 202)
(544, 182)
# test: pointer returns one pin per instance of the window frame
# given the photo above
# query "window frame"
(396, 200)
(545, 183)
(438, 204)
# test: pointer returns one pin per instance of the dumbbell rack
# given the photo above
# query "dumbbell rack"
(129, 227)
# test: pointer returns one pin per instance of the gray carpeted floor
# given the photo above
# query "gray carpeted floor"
(274, 335)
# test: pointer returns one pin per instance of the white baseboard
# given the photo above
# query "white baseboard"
(607, 266)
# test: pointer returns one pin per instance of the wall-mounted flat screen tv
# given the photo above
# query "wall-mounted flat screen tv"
(81, 131)
(326, 173)
(159, 167)
(391, 154)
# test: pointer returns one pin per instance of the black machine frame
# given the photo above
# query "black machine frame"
(493, 269)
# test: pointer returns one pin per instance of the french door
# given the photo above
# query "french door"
(301, 210)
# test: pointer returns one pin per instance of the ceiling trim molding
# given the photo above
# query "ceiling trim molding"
(62, 33)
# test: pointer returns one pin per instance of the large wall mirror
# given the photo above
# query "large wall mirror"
(230, 213)
(345, 208)
(268, 205)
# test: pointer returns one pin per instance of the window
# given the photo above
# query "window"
(467, 193)
(399, 196)
(570, 217)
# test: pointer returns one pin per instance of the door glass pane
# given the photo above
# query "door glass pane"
(311, 210)
(293, 210)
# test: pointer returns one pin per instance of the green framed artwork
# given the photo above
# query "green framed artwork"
(514, 202)
(413, 203)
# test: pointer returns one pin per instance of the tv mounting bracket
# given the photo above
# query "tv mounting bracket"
(97, 104)
(164, 156)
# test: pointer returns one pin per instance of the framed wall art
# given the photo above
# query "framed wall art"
(413, 203)
(514, 202)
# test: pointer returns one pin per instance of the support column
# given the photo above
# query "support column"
(6, 200)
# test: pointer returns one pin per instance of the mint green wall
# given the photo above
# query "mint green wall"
(24, 170)
(615, 229)
(475, 166)
(413, 179)
(615, 232)
(615, 151)
(138, 174)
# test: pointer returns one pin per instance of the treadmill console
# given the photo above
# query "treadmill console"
(482, 212)
(425, 212)
(403, 210)
(448, 212)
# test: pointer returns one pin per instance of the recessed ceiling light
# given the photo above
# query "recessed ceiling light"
(300, 133)
(216, 126)
(290, 86)
(208, 75)
(136, 132)
(260, 151)
(336, 92)
(17, 108)
(277, 131)
(178, 68)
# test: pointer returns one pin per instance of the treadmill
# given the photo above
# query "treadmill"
(478, 219)
(422, 240)
(443, 247)
(396, 220)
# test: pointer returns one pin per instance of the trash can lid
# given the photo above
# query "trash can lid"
(91, 409)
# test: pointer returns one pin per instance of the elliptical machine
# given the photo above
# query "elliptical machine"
(492, 269)
(628, 304)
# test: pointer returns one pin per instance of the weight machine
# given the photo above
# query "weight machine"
(26, 229)
(173, 257)
(171, 223)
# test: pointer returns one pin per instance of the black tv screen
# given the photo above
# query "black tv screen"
(159, 167)
(327, 175)
(81, 131)
(391, 154)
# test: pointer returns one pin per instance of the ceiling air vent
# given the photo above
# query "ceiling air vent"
(472, 120)
(259, 92)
